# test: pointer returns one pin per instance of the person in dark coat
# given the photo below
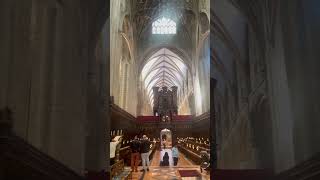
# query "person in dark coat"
(165, 160)
(135, 154)
(145, 152)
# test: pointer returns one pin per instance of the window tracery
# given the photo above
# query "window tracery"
(164, 26)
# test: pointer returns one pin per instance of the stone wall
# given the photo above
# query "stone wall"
(274, 97)
(45, 50)
(123, 67)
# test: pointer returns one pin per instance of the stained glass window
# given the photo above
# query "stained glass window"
(164, 26)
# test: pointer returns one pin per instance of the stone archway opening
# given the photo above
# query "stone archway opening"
(166, 139)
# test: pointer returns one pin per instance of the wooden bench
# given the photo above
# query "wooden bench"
(196, 158)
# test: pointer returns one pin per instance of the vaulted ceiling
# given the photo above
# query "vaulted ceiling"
(164, 68)
(181, 12)
(160, 55)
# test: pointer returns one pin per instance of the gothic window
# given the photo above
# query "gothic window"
(164, 26)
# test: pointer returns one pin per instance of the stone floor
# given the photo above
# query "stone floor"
(167, 173)
(183, 161)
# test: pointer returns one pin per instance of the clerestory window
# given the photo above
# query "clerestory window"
(164, 26)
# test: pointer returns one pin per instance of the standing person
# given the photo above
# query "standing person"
(175, 155)
(135, 154)
(145, 148)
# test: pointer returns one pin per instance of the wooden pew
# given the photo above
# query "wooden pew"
(190, 154)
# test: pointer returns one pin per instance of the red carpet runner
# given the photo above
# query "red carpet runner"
(189, 173)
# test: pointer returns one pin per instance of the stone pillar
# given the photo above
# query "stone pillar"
(6, 35)
(213, 137)
(97, 128)
(155, 98)
(105, 92)
(281, 110)
(300, 23)
(115, 49)
(175, 98)
(18, 64)
(68, 100)
(41, 44)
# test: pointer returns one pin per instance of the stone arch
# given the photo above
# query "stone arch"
(204, 22)
(216, 60)
(149, 52)
(222, 33)
(126, 62)
(239, 69)
(126, 24)
(177, 73)
(126, 30)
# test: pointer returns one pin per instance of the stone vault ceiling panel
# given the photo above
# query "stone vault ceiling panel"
(164, 68)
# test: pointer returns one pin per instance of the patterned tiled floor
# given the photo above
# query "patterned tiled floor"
(168, 173)
(183, 161)
(162, 173)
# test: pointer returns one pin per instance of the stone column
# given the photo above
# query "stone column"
(175, 98)
(301, 36)
(19, 66)
(213, 137)
(281, 111)
(155, 98)
(68, 100)
(97, 128)
(6, 35)
(41, 45)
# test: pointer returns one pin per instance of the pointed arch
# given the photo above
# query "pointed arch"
(164, 68)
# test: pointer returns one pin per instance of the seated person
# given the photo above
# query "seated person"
(165, 160)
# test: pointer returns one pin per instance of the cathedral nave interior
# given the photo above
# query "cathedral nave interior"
(159, 89)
